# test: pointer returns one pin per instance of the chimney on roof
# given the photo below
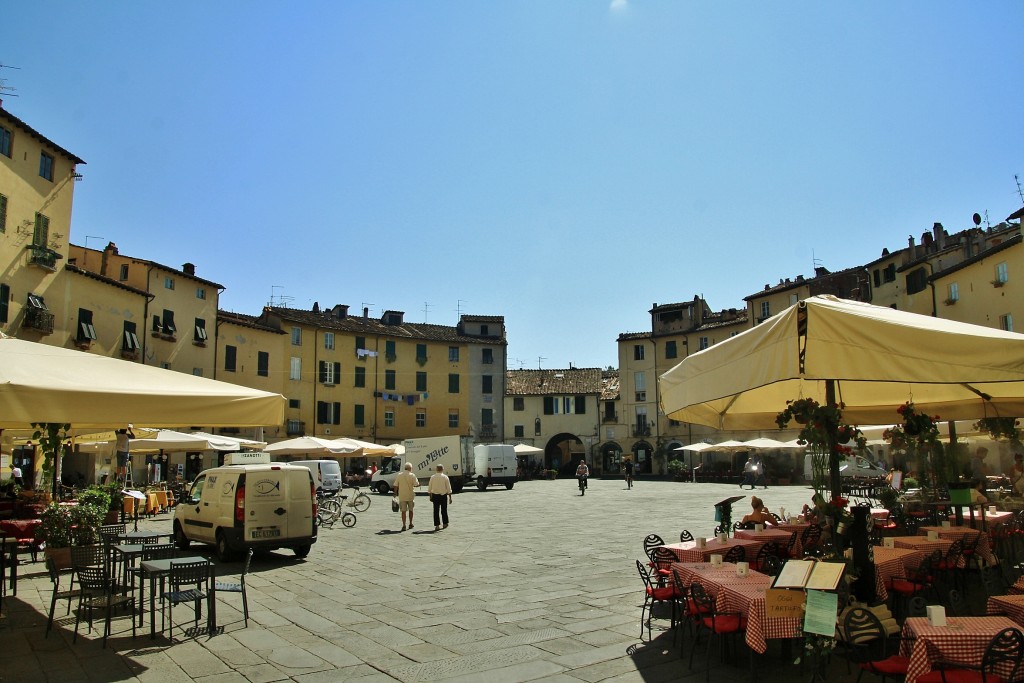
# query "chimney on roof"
(189, 269)
(911, 247)
(939, 234)
(767, 287)
(366, 312)
(316, 306)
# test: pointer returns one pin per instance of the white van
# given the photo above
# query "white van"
(249, 506)
(854, 466)
(326, 473)
(494, 464)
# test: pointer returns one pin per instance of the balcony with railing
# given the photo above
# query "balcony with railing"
(642, 430)
(42, 257)
(38, 319)
(295, 428)
(610, 417)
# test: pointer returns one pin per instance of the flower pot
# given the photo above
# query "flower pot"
(61, 556)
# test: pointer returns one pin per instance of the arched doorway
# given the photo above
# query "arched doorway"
(563, 453)
(643, 454)
(611, 458)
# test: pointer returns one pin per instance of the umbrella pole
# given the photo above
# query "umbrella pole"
(835, 478)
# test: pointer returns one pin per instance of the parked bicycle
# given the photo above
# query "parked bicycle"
(330, 507)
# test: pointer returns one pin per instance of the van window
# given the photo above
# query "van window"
(197, 489)
(392, 466)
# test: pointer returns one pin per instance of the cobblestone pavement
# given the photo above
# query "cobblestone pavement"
(534, 583)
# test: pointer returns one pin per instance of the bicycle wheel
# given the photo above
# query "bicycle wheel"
(348, 520)
(331, 510)
(361, 502)
(323, 521)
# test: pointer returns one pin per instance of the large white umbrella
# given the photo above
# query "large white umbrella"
(308, 445)
(764, 443)
(526, 449)
(41, 383)
(730, 446)
(356, 448)
(169, 440)
(222, 442)
(870, 358)
(695, 447)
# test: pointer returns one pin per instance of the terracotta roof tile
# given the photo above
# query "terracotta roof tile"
(552, 382)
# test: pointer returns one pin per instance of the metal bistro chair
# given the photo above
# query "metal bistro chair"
(94, 593)
(68, 594)
(232, 587)
(1006, 648)
(868, 644)
(187, 582)
(652, 595)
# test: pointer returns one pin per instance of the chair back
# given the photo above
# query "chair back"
(861, 626)
(88, 556)
(248, 561)
(957, 604)
(112, 530)
(662, 558)
(150, 540)
(917, 607)
(956, 549)
(158, 551)
(685, 536)
(92, 579)
(643, 574)
(737, 553)
(1007, 647)
(189, 574)
(650, 543)
(770, 565)
(810, 536)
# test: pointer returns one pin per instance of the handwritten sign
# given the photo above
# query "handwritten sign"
(821, 613)
(779, 602)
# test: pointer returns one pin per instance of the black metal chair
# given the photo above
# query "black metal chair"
(737, 553)
(239, 587)
(771, 565)
(94, 592)
(685, 536)
(654, 595)
(868, 645)
(716, 623)
(1006, 648)
(187, 582)
(68, 594)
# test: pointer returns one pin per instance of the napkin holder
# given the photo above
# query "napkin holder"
(991, 509)
(888, 542)
(947, 525)
(759, 528)
(742, 568)
(702, 542)
(936, 615)
(933, 535)
(716, 560)
(723, 538)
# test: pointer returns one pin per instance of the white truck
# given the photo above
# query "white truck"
(854, 466)
(425, 455)
(494, 464)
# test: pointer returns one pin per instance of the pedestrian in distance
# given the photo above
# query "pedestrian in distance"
(440, 489)
(17, 476)
(627, 466)
(406, 484)
(759, 473)
(749, 473)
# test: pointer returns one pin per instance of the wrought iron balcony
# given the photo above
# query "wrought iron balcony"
(43, 257)
(39, 320)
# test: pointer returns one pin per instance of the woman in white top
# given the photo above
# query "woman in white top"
(440, 490)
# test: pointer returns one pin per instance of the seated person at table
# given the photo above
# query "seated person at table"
(759, 515)
(978, 494)
(1016, 474)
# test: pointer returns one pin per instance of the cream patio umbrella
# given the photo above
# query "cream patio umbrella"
(222, 442)
(526, 449)
(870, 358)
(308, 445)
(50, 384)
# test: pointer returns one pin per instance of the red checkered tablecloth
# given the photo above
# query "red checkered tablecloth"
(689, 552)
(778, 536)
(1010, 605)
(965, 534)
(890, 563)
(743, 594)
(922, 545)
(963, 639)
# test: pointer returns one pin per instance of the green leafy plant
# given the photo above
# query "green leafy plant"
(95, 495)
(51, 437)
(64, 526)
(821, 429)
(676, 468)
(999, 428)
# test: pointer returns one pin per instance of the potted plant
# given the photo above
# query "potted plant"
(66, 525)
(101, 497)
(677, 469)
(552, 474)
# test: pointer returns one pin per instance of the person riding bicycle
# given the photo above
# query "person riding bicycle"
(582, 472)
(627, 467)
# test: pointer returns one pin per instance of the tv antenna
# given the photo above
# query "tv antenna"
(1020, 191)
(815, 261)
(366, 307)
(4, 88)
(458, 307)
(426, 310)
(520, 362)
(540, 359)
(279, 299)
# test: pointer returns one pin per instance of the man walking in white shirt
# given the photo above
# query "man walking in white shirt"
(406, 484)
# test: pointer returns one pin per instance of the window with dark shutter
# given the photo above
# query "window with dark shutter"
(336, 416)
(360, 377)
(5, 303)
(263, 363)
(421, 381)
(230, 357)
(581, 405)
(453, 383)
(549, 405)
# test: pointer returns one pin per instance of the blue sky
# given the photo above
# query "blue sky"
(563, 164)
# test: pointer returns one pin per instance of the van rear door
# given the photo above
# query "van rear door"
(299, 490)
(266, 503)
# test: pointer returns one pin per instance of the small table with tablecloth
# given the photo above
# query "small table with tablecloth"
(968, 536)
(963, 639)
(891, 563)
(688, 551)
(1010, 605)
(780, 537)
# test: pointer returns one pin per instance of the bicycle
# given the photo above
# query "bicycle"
(329, 511)
(583, 485)
(360, 501)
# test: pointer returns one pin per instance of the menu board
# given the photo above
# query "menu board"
(810, 574)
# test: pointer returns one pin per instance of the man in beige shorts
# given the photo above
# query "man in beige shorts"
(406, 484)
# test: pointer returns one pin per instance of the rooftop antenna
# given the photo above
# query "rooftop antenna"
(520, 362)
(4, 88)
(279, 299)
(1020, 191)
(426, 310)
(458, 307)
(365, 305)
(815, 261)
(540, 359)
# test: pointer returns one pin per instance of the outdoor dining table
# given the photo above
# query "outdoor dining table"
(688, 551)
(780, 537)
(159, 569)
(984, 519)
(922, 545)
(891, 563)
(743, 594)
(962, 639)
(143, 536)
(1010, 605)
(161, 499)
(128, 552)
(968, 536)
